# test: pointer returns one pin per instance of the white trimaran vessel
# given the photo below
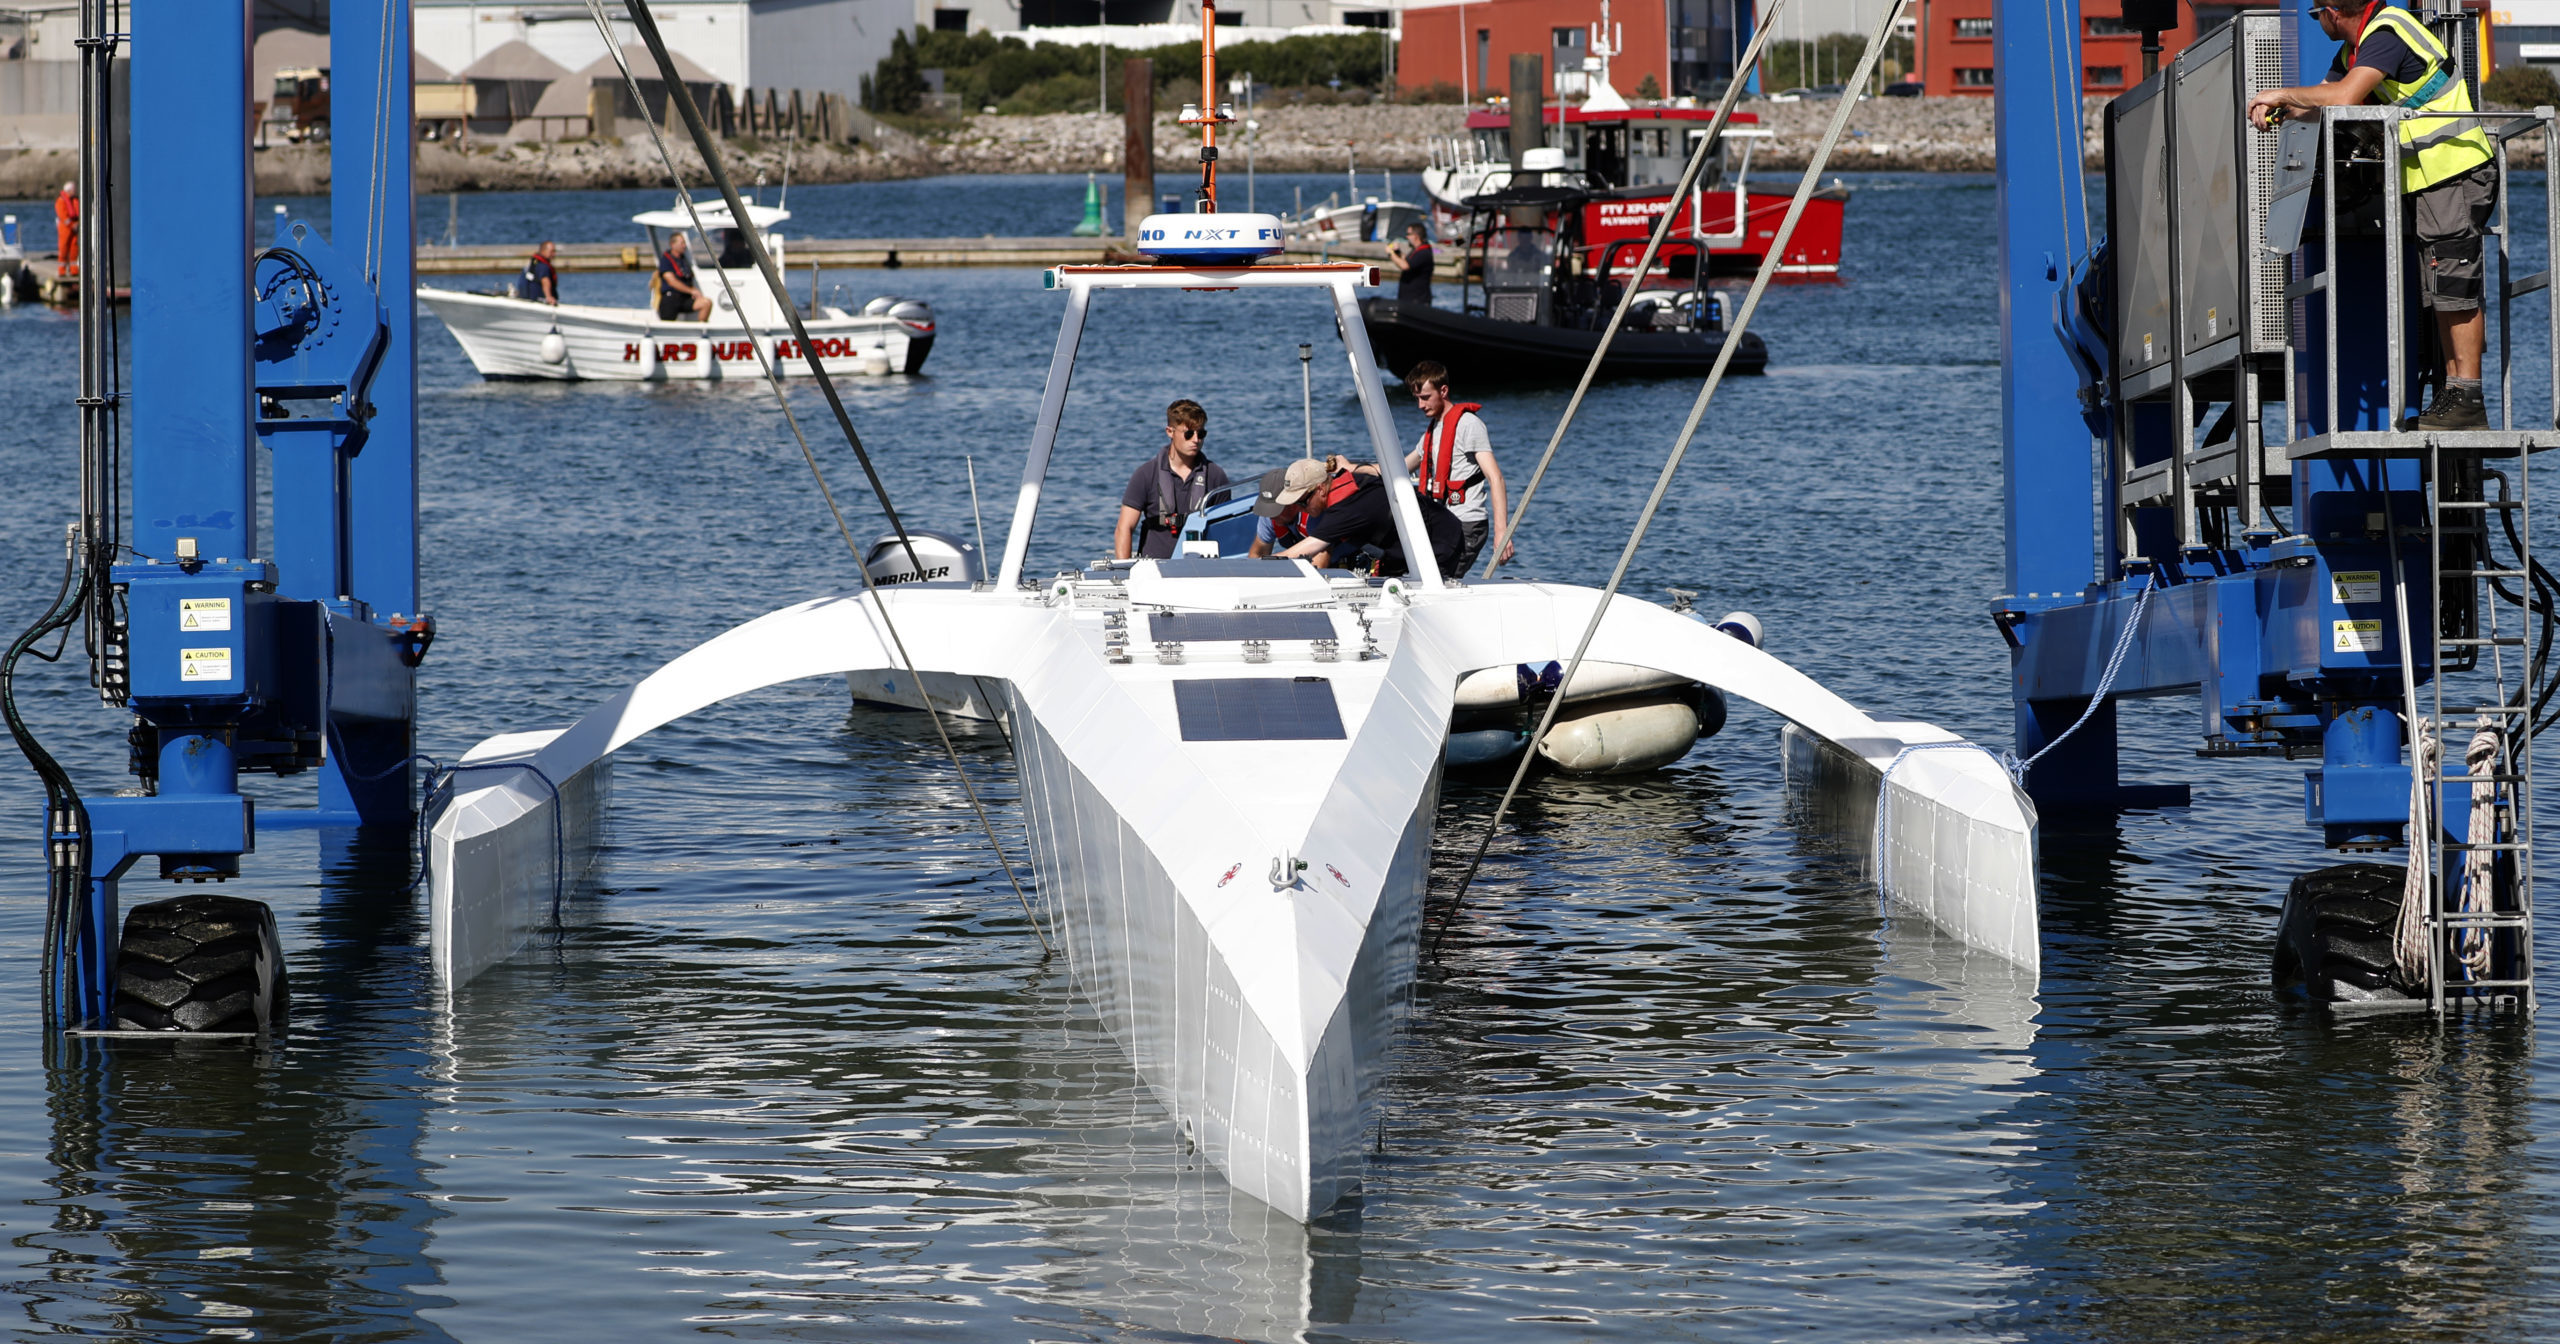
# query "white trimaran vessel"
(1230, 767)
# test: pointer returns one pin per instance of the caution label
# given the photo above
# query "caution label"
(2355, 636)
(204, 613)
(209, 664)
(2355, 585)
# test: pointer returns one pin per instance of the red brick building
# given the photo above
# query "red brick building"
(1687, 46)
(1954, 55)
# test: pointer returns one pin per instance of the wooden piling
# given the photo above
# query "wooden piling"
(1137, 143)
(1528, 104)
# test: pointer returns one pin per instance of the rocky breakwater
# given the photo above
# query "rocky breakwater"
(1884, 134)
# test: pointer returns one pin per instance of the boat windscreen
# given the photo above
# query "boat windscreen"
(1257, 709)
(1519, 258)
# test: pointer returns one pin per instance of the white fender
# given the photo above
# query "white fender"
(1621, 737)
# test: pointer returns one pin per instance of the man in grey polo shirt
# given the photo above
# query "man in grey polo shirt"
(1169, 486)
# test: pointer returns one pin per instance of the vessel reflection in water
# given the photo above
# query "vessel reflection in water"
(209, 1189)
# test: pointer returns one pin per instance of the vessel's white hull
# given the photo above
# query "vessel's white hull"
(506, 338)
(1281, 1117)
(1240, 907)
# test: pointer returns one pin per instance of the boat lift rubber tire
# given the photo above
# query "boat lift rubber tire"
(200, 962)
(2334, 939)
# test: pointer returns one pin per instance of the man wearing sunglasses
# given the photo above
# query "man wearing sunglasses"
(1170, 486)
(2447, 175)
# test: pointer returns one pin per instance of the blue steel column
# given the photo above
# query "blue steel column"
(2052, 550)
(192, 474)
(372, 204)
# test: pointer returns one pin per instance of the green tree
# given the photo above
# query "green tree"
(2521, 86)
(898, 84)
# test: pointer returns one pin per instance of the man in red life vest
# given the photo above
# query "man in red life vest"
(1358, 531)
(1277, 527)
(66, 229)
(1453, 463)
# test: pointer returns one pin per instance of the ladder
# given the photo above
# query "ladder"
(2479, 943)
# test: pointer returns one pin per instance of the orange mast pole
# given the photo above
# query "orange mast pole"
(1209, 106)
(1207, 113)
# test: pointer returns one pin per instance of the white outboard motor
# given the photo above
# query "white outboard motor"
(881, 305)
(947, 559)
(915, 315)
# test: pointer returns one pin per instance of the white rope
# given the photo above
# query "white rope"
(1689, 186)
(378, 189)
(1884, 800)
(2479, 862)
(2409, 954)
(1679, 449)
(2115, 662)
(677, 100)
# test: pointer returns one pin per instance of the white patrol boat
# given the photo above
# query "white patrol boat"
(508, 336)
(1230, 767)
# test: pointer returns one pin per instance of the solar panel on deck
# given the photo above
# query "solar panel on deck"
(1201, 627)
(1257, 709)
(1228, 567)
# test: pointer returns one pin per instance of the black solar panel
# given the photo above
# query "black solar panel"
(1227, 567)
(1257, 709)
(1202, 627)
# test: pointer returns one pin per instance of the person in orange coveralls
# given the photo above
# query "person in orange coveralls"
(66, 228)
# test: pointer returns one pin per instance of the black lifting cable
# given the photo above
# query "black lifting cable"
(1679, 449)
(681, 98)
(1644, 266)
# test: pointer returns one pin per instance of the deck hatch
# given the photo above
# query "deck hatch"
(1257, 709)
(1203, 627)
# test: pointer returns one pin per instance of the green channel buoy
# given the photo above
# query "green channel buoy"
(1092, 225)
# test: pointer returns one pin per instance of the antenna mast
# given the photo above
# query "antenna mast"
(1208, 114)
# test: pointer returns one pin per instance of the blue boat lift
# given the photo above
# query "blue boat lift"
(2212, 487)
(237, 643)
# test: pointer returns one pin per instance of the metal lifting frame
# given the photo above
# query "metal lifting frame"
(2327, 632)
(239, 643)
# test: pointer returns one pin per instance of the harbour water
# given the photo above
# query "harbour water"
(793, 1066)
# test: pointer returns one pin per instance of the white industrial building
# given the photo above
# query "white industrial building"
(816, 46)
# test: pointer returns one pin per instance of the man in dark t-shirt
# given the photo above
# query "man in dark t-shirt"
(678, 296)
(1338, 533)
(1169, 486)
(1414, 259)
(2448, 184)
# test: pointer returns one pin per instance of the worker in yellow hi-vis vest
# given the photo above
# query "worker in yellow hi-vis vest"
(2446, 175)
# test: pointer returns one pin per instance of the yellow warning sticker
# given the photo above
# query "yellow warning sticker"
(204, 664)
(2355, 636)
(204, 613)
(2355, 585)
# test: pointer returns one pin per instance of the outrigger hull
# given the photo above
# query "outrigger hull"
(1404, 334)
